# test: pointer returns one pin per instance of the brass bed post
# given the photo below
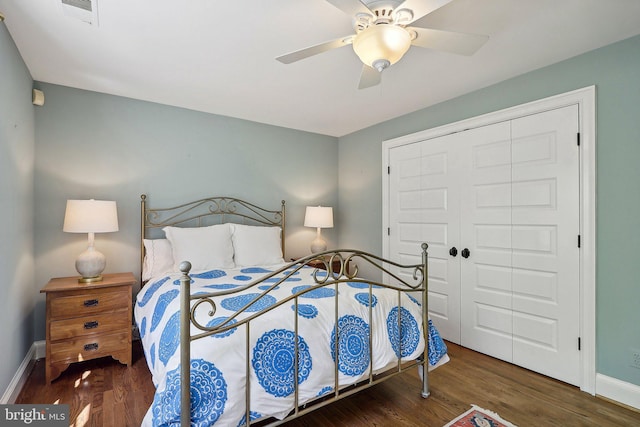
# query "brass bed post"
(143, 208)
(425, 321)
(282, 234)
(185, 345)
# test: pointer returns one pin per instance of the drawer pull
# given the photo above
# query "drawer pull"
(90, 302)
(91, 347)
(91, 325)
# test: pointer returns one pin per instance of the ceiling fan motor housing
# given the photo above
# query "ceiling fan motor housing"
(382, 12)
(382, 7)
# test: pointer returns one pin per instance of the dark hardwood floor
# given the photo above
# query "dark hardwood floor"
(105, 393)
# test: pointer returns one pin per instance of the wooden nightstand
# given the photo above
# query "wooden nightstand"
(87, 320)
(335, 265)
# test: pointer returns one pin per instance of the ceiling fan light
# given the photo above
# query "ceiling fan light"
(381, 42)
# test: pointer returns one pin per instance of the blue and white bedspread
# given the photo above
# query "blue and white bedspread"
(218, 362)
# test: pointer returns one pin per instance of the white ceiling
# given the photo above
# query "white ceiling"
(219, 56)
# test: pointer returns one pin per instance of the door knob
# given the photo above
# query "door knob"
(453, 251)
(465, 253)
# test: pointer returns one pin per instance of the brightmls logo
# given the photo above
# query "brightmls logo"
(27, 416)
(34, 415)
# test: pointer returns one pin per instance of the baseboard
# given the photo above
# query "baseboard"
(619, 391)
(37, 351)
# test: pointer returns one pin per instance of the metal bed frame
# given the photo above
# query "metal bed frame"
(405, 278)
(203, 212)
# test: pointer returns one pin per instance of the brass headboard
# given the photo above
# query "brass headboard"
(204, 212)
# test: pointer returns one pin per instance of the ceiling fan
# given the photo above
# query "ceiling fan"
(382, 35)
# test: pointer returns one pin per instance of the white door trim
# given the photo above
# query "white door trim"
(586, 100)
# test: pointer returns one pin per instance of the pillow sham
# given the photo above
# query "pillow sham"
(256, 245)
(204, 247)
(158, 258)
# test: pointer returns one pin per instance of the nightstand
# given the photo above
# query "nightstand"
(87, 320)
(335, 265)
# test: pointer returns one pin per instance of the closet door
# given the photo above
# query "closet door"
(507, 196)
(485, 224)
(424, 207)
(545, 255)
(520, 221)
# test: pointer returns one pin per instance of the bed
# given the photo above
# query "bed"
(263, 341)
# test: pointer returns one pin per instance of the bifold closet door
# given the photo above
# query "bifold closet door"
(424, 207)
(545, 253)
(520, 221)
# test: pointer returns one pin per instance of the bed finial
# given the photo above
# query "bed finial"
(143, 197)
(185, 267)
(425, 246)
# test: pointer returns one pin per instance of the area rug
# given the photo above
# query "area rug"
(478, 417)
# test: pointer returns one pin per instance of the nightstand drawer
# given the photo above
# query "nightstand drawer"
(89, 347)
(116, 321)
(93, 301)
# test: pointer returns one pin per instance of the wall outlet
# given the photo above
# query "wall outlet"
(635, 358)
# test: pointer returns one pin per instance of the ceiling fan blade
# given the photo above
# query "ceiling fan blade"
(421, 8)
(350, 7)
(314, 50)
(448, 41)
(369, 77)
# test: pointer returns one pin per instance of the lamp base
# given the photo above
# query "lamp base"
(318, 245)
(90, 279)
(90, 264)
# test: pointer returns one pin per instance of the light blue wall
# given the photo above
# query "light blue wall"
(615, 70)
(106, 147)
(17, 291)
(92, 145)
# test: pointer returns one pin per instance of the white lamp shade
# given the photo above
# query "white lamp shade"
(90, 216)
(382, 42)
(319, 217)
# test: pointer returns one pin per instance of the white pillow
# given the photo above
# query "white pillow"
(256, 245)
(158, 258)
(204, 247)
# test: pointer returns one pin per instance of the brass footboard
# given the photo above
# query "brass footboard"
(413, 279)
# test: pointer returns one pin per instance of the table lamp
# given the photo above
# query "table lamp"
(319, 217)
(90, 216)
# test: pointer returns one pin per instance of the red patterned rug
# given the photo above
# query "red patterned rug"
(478, 417)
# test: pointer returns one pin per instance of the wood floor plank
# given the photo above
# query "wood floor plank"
(105, 393)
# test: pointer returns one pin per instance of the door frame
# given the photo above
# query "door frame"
(585, 98)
